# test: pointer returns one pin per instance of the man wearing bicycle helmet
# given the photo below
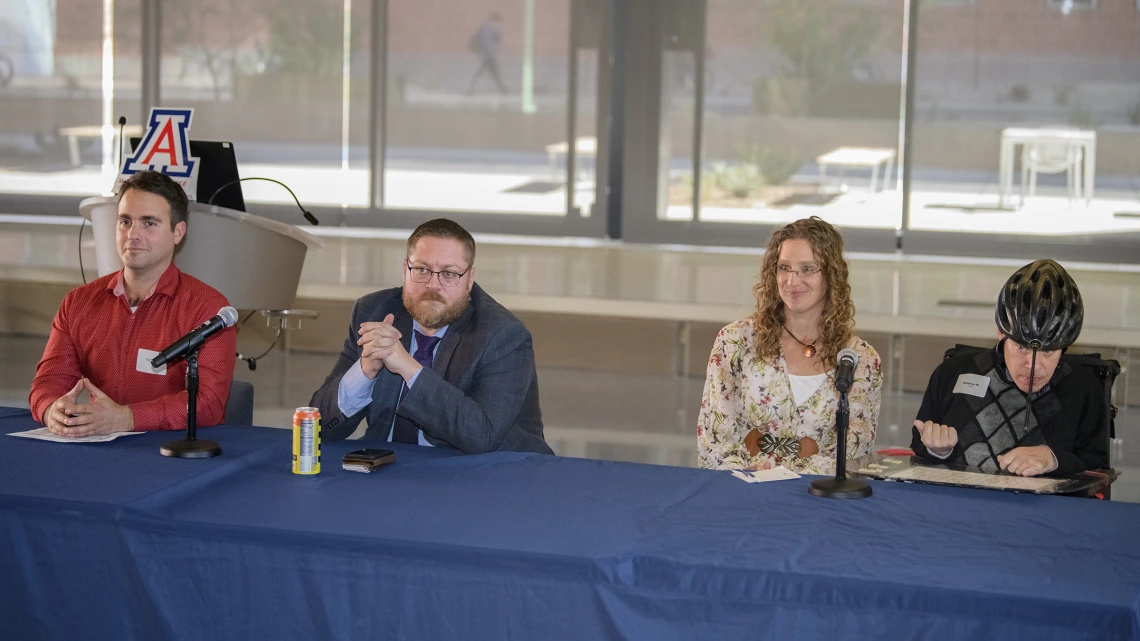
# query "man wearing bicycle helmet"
(1018, 407)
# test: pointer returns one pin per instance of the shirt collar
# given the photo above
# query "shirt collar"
(167, 283)
(419, 328)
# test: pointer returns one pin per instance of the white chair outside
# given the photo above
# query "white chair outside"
(1052, 157)
(584, 147)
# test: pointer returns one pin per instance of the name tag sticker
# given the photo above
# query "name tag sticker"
(972, 384)
(143, 363)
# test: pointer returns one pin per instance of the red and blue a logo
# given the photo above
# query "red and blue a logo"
(166, 145)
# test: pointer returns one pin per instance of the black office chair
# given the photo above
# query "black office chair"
(1104, 370)
(239, 407)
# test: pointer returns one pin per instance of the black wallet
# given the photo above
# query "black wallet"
(367, 460)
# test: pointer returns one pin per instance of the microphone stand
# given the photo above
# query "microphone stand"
(191, 447)
(841, 487)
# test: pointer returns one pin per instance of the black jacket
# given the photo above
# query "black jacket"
(1068, 415)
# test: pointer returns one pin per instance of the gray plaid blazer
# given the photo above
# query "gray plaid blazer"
(480, 395)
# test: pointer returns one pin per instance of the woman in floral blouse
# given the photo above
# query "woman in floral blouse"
(770, 396)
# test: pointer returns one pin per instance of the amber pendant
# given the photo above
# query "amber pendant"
(809, 350)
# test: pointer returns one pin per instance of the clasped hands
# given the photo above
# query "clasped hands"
(101, 415)
(380, 348)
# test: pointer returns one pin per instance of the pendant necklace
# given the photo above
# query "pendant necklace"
(809, 350)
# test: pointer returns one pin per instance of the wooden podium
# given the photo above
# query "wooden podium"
(254, 262)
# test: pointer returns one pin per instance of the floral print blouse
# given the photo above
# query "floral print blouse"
(749, 419)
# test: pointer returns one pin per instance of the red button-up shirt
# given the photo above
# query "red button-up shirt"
(95, 334)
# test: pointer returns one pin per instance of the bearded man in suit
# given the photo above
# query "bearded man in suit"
(437, 362)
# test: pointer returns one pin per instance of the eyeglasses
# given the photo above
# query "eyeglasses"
(807, 271)
(446, 278)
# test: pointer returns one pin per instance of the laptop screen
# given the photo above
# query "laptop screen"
(219, 167)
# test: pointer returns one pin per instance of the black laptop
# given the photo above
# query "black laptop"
(218, 167)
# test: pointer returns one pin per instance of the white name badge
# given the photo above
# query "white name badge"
(972, 384)
(143, 363)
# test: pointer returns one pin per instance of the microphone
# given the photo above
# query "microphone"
(122, 124)
(226, 317)
(842, 487)
(304, 212)
(845, 373)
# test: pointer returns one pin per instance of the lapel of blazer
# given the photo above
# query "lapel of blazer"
(454, 335)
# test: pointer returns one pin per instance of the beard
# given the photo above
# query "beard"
(431, 310)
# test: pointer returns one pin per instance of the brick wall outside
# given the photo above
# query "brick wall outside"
(991, 27)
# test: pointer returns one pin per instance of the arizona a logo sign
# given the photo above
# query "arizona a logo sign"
(165, 148)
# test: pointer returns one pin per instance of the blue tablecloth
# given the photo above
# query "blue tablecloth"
(115, 541)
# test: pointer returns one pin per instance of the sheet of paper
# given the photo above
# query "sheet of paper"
(996, 481)
(778, 473)
(44, 435)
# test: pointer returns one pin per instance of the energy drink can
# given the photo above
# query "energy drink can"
(307, 441)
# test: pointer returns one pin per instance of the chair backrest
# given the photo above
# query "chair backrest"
(1103, 370)
(239, 407)
(1052, 156)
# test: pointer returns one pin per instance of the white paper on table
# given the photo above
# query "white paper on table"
(778, 473)
(992, 481)
(43, 434)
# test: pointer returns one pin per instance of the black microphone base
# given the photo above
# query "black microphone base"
(186, 448)
(841, 488)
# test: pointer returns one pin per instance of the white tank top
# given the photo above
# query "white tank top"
(804, 386)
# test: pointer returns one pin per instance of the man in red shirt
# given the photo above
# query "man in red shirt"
(107, 331)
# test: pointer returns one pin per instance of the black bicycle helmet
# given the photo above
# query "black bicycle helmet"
(1040, 306)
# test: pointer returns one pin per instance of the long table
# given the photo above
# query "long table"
(114, 541)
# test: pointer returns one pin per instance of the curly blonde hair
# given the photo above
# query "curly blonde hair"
(838, 320)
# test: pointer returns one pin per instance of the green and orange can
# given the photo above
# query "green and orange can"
(307, 441)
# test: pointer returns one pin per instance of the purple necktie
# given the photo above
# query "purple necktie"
(405, 431)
